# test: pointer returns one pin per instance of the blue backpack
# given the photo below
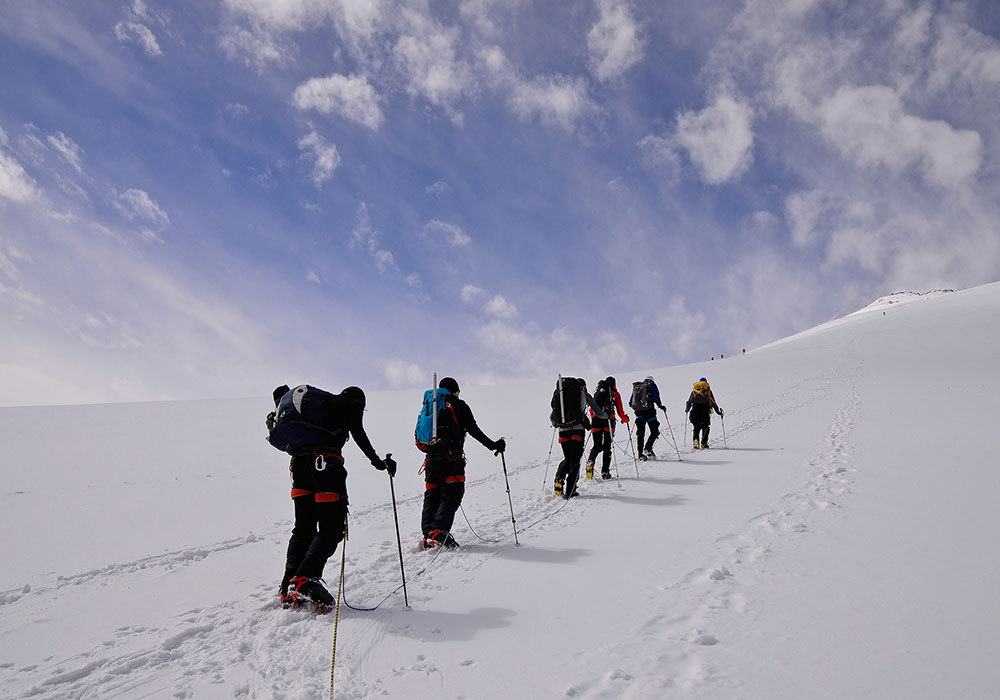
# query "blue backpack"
(300, 421)
(448, 428)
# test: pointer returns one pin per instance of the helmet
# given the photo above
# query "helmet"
(449, 384)
(702, 380)
(355, 393)
(610, 381)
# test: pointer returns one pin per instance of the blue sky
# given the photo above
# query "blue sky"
(212, 198)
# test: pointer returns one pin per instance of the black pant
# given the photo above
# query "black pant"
(701, 419)
(571, 442)
(602, 443)
(319, 495)
(444, 488)
(641, 419)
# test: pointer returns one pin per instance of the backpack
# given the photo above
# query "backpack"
(449, 430)
(642, 396)
(602, 397)
(300, 421)
(701, 394)
(567, 413)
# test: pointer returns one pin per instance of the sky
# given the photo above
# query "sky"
(211, 199)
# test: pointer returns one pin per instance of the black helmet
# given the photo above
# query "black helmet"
(610, 381)
(450, 384)
(356, 393)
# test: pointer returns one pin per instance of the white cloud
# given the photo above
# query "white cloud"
(438, 189)
(963, 54)
(366, 237)
(385, 261)
(402, 374)
(68, 149)
(137, 205)
(236, 110)
(352, 97)
(869, 126)
(660, 153)
(683, 327)
(718, 139)
(322, 154)
(614, 41)
(427, 56)
(556, 100)
(15, 183)
(470, 293)
(137, 33)
(313, 278)
(499, 307)
(253, 47)
(524, 350)
(453, 235)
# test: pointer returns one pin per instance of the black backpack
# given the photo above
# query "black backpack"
(567, 413)
(642, 396)
(301, 421)
(602, 397)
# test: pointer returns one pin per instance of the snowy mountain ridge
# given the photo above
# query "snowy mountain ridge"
(838, 540)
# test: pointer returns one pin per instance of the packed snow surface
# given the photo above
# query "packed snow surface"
(838, 540)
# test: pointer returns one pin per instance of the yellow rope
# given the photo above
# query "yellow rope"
(336, 614)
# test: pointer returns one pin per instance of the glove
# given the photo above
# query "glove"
(586, 423)
(625, 419)
(390, 466)
(499, 446)
(719, 411)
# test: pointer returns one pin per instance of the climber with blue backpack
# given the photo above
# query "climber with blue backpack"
(442, 425)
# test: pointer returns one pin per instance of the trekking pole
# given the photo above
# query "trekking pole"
(632, 447)
(687, 419)
(551, 443)
(513, 522)
(725, 443)
(614, 456)
(672, 435)
(399, 542)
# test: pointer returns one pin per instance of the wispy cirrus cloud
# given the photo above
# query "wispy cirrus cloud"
(451, 234)
(138, 207)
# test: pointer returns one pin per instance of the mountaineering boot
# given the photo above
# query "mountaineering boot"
(439, 538)
(704, 445)
(650, 454)
(590, 469)
(310, 590)
(605, 475)
(696, 445)
(287, 599)
(558, 487)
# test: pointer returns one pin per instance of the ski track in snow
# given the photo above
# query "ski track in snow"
(681, 643)
(208, 643)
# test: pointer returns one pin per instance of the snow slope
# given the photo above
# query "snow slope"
(839, 540)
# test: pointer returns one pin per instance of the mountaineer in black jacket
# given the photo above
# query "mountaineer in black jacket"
(319, 495)
(444, 470)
